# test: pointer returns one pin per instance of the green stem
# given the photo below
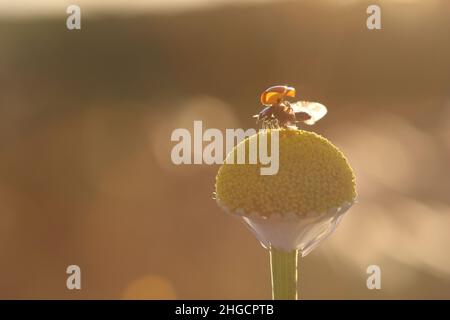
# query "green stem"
(283, 266)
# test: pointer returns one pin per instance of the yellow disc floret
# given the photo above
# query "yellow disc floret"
(313, 176)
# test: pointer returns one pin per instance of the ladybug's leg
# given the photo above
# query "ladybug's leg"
(266, 116)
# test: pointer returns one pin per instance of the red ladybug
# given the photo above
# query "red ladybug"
(280, 113)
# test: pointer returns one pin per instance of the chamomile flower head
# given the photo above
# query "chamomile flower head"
(313, 177)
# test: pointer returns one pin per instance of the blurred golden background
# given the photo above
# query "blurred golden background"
(85, 122)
